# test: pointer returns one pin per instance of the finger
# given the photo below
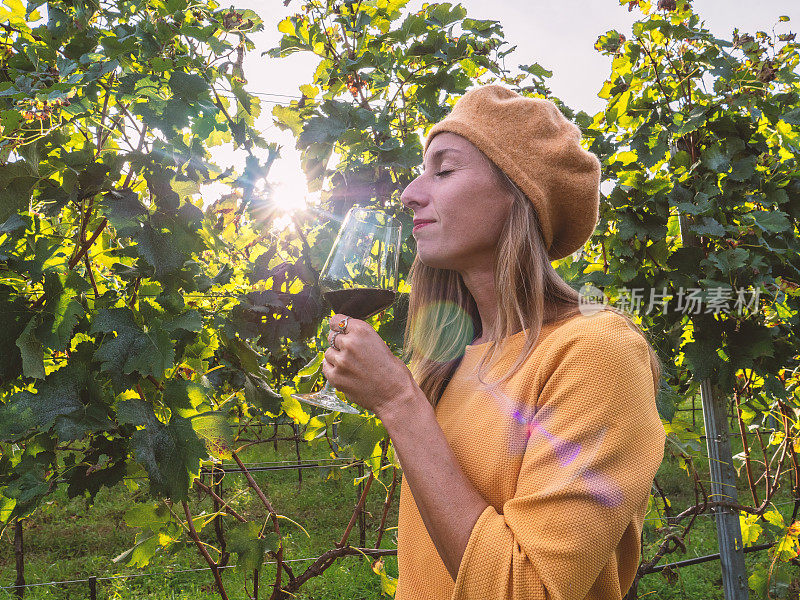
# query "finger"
(329, 357)
(341, 342)
(336, 341)
(329, 373)
(326, 368)
(333, 322)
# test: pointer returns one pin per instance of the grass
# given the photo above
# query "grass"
(68, 540)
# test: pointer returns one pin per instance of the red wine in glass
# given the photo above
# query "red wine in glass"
(359, 278)
(360, 303)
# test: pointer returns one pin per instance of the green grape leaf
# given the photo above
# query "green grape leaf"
(124, 209)
(67, 400)
(62, 311)
(31, 484)
(140, 554)
(702, 356)
(313, 366)
(17, 416)
(708, 227)
(190, 321)
(667, 401)
(772, 221)
(316, 427)
(132, 350)
(17, 180)
(14, 315)
(248, 359)
(159, 250)
(214, 429)
(32, 352)
(258, 393)
(13, 223)
(152, 516)
(715, 159)
(361, 434)
(246, 541)
(184, 397)
(730, 260)
(187, 86)
(171, 454)
(322, 130)
(292, 407)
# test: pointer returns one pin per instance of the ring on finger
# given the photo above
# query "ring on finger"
(333, 340)
(343, 325)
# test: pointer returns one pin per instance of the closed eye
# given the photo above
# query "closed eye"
(444, 173)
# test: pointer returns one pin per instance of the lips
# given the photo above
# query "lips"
(420, 223)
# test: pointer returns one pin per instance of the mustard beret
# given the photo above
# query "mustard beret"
(533, 143)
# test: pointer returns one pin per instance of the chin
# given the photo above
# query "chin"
(434, 260)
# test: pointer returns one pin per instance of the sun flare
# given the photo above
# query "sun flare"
(290, 191)
(275, 199)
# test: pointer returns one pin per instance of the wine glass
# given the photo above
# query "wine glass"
(359, 278)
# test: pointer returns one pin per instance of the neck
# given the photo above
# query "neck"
(479, 280)
(480, 283)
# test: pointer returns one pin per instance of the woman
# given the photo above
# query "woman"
(527, 427)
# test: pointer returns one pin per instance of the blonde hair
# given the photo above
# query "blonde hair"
(443, 317)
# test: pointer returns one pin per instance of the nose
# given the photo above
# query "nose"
(414, 195)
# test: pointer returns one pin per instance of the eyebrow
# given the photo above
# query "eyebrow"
(441, 151)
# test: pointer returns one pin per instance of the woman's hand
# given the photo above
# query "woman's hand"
(364, 368)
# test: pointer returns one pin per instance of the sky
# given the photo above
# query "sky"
(559, 35)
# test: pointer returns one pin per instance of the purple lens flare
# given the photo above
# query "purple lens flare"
(574, 457)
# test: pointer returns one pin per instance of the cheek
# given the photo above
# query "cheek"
(483, 219)
(460, 239)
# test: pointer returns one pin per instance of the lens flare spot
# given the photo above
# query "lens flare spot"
(566, 451)
(604, 490)
(436, 319)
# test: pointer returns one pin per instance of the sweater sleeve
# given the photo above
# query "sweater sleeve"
(595, 443)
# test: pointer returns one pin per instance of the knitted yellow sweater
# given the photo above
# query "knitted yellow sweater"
(565, 454)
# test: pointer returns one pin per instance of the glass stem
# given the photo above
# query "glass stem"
(328, 388)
